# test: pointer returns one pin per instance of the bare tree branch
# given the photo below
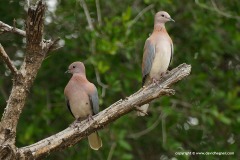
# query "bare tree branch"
(36, 50)
(51, 45)
(164, 135)
(147, 130)
(99, 12)
(86, 11)
(140, 14)
(104, 86)
(7, 60)
(22, 82)
(6, 28)
(79, 130)
(216, 9)
(110, 154)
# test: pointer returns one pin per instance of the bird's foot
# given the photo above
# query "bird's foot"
(74, 124)
(164, 73)
(90, 117)
(78, 120)
(155, 81)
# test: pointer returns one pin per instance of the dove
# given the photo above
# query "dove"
(158, 52)
(82, 99)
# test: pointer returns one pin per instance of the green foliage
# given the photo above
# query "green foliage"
(202, 116)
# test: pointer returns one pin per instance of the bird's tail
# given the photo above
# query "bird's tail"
(142, 110)
(94, 141)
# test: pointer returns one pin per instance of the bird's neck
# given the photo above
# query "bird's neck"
(79, 77)
(160, 27)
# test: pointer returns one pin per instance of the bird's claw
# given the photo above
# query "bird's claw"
(155, 81)
(90, 117)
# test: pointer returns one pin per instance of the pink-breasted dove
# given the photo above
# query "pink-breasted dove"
(82, 99)
(158, 52)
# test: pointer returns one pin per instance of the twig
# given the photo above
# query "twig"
(164, 135)
(93, 44)
(99, 16)
(104, 86)
(84, 5)
(216, 9)
(28, 3)
(14, 23)
(113, 146)
(7, 60)
(140, 14)
(6, 28)
(149, 129)
(52, 45)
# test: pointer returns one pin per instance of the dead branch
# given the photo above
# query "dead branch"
(80, 130)
(86, 11)
(28, 71)
(36, 49)
(7, 60)
(51, 45)
(6, 28)
(99, 16)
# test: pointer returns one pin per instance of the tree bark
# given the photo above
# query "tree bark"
(23, 79)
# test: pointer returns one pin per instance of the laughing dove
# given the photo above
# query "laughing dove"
(82, 99)
(158, 52)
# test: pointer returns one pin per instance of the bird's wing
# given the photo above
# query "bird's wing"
(172, 51)
(93, 97)
(148, 57)
(68, 105)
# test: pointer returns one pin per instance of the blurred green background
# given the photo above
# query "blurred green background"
(203, 115)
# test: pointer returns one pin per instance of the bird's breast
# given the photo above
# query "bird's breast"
(79, 102)
(162, 58)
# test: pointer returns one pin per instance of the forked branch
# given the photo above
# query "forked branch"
(7, 60)
(75, 132)
(6, 28)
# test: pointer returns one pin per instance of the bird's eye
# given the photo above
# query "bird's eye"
(74, 66)
(162, 15)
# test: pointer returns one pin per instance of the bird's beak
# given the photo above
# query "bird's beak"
(67, 71)
(170, 19)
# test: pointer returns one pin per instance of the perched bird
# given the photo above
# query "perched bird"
(82, 99)
(158, 52)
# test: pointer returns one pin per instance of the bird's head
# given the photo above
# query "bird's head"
(76, 67)
(162, 17)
